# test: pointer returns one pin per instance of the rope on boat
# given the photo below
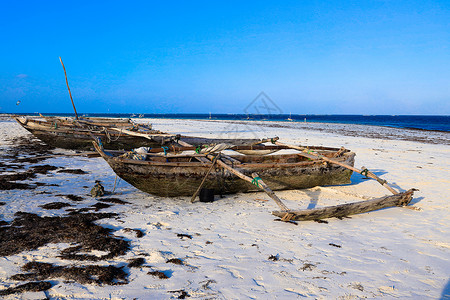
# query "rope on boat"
(255, 181)
(365, 172)
(165, 148)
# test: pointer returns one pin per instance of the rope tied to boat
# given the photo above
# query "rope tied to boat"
(99, 142)
(198, 149)
(255, 181)
(381, 181)
(165, 148)
(365, 172)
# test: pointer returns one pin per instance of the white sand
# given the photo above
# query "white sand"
(392, 253)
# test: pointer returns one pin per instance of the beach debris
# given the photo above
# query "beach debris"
(91, 274)
(78, 229)
(43, 169)
(113, 200)
(183, 235)
(335, 245)
(98, 190)
(274, 257)
(7, 185)
(159, 274)
(71, 197)
(136, 262)
(308, 267)
(72, 171)
(175, 261)
(55, 205)
(138, 232)
(182, 294)
(35, 286)
(99, 205)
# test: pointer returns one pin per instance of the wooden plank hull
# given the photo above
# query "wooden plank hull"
(182, 178)
(343, 210)
(76, 140)
(65, 135)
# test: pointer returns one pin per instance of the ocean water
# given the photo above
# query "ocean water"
(436, 123)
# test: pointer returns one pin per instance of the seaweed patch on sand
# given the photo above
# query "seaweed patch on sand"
(113, 200)
(92, 274)
(36, 286)
(72, 171)
(55, 205)
(27, 151)
(29, 231)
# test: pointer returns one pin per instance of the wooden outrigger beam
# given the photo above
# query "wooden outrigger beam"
(343, 210)
(313, 155)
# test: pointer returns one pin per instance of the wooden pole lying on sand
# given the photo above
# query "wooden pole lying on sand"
(343, 210)
(364, 171)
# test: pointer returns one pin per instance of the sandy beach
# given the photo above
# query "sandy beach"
(132, 245)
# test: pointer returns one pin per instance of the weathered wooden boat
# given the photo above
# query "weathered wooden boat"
(69, 133)
(185, 174)
(173, 175)
(115, 134)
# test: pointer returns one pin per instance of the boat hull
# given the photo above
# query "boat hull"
(172, 179)
(60, 134)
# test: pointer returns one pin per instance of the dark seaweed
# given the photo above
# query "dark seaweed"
(73, 171)
(37, 286)
(92, 274)
(55, 205)
(175, 261)
(113, 200)
(29, 231)
(136, 262)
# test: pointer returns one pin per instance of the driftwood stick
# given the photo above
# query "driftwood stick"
(204, 178)
(343, 210)
(364, 171)
(70, 94)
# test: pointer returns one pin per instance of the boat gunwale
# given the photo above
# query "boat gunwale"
(306, 163)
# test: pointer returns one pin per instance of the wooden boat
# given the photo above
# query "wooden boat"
(185, 174)
(173, 175)
(115, 134)
(69, 133)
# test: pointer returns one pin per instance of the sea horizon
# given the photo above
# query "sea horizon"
(417, 122)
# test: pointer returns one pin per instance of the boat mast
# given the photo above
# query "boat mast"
(70, 94)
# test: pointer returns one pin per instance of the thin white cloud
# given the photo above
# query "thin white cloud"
(22, 76)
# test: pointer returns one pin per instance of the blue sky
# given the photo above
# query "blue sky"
(309, 57)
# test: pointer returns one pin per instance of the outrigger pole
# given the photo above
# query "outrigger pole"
(70, 94)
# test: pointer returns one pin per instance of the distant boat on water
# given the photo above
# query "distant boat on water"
(290, 118)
